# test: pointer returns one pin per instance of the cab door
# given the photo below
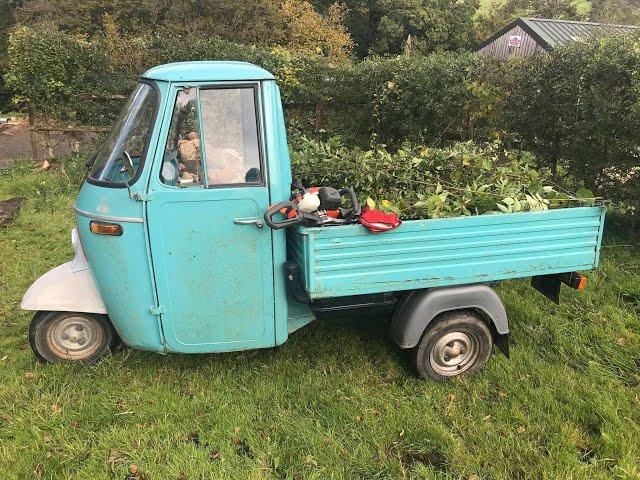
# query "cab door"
(211, 254)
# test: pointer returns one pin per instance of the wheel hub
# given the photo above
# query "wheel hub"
(454, 353)
(74, 337)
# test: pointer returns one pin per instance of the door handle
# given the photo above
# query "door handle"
(249, 221)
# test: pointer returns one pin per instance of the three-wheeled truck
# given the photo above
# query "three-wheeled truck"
(172, 253)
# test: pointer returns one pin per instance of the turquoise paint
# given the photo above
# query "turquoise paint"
(214, 277)
(299, 315)
(207, 72)
(279, 179)
(349, 260)
(121, 271)
(121, 265)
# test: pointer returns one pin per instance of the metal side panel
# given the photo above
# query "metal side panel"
(349, 260)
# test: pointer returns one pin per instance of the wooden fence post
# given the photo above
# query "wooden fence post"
(32, 134)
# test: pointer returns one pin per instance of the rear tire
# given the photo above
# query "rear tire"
(70, 336)
(455, 343)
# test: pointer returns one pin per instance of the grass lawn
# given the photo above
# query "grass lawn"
(338, 400)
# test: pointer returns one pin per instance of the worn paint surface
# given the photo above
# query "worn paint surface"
(121, 265)
(215, 278)
(217, 286)
(349, 260)
(121, 271)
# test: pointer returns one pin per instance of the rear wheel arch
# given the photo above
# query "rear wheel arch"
(419, 308)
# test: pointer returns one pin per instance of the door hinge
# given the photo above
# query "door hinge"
(140, 196)
(156, 310)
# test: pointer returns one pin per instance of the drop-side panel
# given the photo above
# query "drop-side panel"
(349, 260)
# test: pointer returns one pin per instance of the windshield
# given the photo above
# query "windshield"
(123, 152)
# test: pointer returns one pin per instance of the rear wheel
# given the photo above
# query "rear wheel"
(455, 343)
(70, 336)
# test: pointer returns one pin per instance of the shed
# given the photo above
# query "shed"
(525, 36)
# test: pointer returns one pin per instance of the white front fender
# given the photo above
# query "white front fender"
(69, 287)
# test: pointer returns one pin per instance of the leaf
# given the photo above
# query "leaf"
(114, 457)
(586, 196)
(584, 193)
(502, 208)
(517, 206)
(371, 203)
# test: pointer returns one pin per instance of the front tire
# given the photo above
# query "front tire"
(70, 336)
(454, 343)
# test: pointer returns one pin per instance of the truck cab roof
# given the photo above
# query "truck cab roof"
(213, 71)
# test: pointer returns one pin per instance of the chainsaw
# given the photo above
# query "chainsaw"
(314, 207)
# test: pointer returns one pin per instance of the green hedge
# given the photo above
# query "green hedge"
(394, 98)
(576, 108)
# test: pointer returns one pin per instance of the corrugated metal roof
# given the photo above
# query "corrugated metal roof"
(553, 33)
(558, 32)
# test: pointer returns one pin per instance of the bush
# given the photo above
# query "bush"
(578, 109)
(51, 71)
(444, 96)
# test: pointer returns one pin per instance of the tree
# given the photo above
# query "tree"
(311, 33)
(501, 13)
(615, 11)
(293, 24)
(385, 26)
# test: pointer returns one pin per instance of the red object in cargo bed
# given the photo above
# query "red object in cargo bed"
(377, 221)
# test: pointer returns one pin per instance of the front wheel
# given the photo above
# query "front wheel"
(455, 343)
(66, 336)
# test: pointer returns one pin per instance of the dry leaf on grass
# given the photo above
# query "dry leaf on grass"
(114, 457)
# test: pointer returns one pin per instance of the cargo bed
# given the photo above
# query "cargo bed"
(349, 260)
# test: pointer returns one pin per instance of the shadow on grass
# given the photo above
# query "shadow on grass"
(346, 340)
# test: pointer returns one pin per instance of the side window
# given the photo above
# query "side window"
(182, 161)
(230, 133)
